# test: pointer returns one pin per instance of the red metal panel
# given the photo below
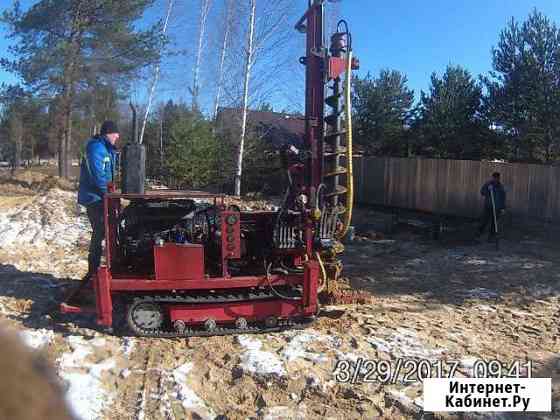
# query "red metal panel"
(104, 303)
(231, 235)
(227, 312)
(310, 287)
(128, 284)
(230, 228)
(179, 262)
(337, 66)
(108, 242)
(111, 210)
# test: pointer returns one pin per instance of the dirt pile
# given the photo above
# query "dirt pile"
(340, 292)
(43, 230)
(31, 182)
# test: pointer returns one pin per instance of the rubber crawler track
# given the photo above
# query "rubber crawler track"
(254, 328)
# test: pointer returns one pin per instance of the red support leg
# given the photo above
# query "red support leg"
(310, 287)
(102, 287)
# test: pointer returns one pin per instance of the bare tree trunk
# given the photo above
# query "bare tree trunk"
(16, 136)
(68, 90)
(19, 147)
(161, 142)
(61, 153)
(67, 143)
(248, 67)
(156, 76)
(64, 139)
(227, 27)
(204, 9)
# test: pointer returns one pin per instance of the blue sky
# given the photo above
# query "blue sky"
(417, 37)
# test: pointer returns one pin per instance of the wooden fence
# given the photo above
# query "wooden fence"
(452, 187)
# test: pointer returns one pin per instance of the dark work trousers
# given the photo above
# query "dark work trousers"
(488, 217)
(95, 216)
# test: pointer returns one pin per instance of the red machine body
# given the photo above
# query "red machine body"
(186, 264)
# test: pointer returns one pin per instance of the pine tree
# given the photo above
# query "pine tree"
(523, 96)
(65, 46)
(382, 111)
(448, 124)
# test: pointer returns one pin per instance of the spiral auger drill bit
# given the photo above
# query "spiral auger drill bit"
(335, 151)
(338, 177)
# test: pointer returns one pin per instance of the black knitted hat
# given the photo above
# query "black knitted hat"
(109, 127)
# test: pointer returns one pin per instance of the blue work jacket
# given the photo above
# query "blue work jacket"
(96, 170)
(499, 195)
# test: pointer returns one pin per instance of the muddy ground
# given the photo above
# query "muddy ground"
(446, 301)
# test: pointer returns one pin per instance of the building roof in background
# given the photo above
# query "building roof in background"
(276, 127)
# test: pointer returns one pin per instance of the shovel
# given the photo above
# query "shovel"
(495, 217)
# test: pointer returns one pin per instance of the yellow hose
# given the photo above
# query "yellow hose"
(323, 272)
(349, 163)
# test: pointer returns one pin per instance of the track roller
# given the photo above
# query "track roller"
(210, 324)
(241, 323)
(180, 326)
(271, 322)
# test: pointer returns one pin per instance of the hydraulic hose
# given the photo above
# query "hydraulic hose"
(324, 275)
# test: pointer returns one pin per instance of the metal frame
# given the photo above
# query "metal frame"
(107, 287)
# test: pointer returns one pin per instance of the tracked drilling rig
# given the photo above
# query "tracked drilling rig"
(186, 263)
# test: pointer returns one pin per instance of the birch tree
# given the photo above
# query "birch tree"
(195, 91)
(156, 75)
(270, 45)
(228, 23)
(248, 66)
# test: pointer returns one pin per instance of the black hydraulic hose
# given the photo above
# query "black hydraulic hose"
(347, 32)
(281, 296)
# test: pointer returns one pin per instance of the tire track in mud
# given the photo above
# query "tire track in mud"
(140, 382)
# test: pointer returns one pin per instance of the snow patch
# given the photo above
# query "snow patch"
(282, 412)
(3, 310)
(481, 293)
(405, 400)
(258, 361)
(42, 222)
(405, 343)
(186, 395)
(36, 338)
(351, 357)
(531, 266)
(297, 348)
(80, 350)
(85, 395)
(475, 261)
(415, 262)
(97, 369)
(99, 342)
(485, 308)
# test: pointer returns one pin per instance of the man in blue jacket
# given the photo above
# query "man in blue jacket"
(96, 172)
(494, 197)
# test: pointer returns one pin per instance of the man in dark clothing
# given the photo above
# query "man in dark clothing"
(96, 172)
(494, 204)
